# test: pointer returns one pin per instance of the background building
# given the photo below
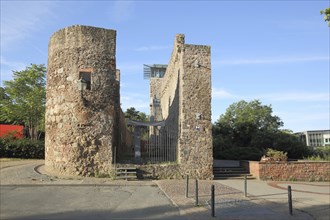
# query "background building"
(316, 138)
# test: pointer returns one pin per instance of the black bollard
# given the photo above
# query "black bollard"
(290, 200)
(212, 201)
(196, 192)
(245, 186)
(187, 183)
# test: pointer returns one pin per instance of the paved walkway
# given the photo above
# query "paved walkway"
(308, 197)
(266, 200)
(26, 192)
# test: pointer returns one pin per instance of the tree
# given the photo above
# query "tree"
(3, 98)
(290, 143)
(326, 13)
(135, 115)
(247, 129)
(22, 99)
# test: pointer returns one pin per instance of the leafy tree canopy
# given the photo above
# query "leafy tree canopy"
(135, 115)
(22, 100)
(326, 13)
(252, 114)
(247, 129)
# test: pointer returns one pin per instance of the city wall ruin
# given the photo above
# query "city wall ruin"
(185, 96)
(85, 126)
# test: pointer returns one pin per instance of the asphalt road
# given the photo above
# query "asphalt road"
(25, 194)
(85, 202)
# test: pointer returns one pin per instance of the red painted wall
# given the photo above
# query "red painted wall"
(17, 130)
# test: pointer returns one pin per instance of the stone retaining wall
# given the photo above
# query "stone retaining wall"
(290, 171)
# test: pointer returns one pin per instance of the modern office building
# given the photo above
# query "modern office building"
(316, 138)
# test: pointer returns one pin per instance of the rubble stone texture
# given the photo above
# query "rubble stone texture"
(83, 127)
(185, 99)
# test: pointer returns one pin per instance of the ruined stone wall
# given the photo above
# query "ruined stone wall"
(80, 125)
(295, 171)
(125, 145)
(195, 120)
(185, 99)
(170, 82)
(155, 87)
(155, 93)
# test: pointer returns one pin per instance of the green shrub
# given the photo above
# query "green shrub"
(320, 154)
(22, 148)
(276, 155)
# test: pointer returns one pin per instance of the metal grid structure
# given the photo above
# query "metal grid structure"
(154, 71)
(154, 145)
(160, 146)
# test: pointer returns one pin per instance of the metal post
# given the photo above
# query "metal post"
(290, 200)
(212, 201)
(114, 156)
(187, 183)
(114, 160)
(196, 192)
(245, 186)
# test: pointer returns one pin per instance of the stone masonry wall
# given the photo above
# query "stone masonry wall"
(295, 171)
(196, 128)
(155, 93)
(185, 99)
(124, 148)
(80, 125)
(84, 128)
(289, 171)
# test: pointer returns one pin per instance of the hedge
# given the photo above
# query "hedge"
(22, 148)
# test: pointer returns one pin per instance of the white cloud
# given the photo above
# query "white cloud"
(270, 60)
(136, 101)
(306, 121)
(122, 10)
(152, 48)
(13, 65)
(126, 67)
(222, 94)
(7, 68)
(20, 19)
(296, 96)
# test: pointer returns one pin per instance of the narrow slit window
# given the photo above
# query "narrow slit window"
(87, 78)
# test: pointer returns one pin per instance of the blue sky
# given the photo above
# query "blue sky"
(274, 51)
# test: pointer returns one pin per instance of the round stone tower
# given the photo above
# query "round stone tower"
(82, 101)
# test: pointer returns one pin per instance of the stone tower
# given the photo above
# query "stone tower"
(83, 106)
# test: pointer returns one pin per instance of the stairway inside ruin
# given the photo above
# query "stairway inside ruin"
(126, 173)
